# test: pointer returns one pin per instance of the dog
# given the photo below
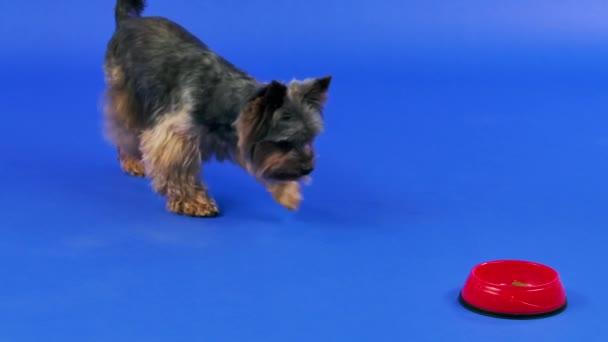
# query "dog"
(172, 105)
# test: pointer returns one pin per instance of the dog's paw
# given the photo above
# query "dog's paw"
(200, 205)
(132, 167)
(287, 194)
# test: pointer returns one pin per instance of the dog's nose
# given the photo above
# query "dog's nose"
(307, 170)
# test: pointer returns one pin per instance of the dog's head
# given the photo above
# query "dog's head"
(278, 126)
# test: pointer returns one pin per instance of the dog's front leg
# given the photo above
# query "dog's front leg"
(172, 160)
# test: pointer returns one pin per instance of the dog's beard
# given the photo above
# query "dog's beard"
(276, 166)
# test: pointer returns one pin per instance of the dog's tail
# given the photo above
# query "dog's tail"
(126, 9)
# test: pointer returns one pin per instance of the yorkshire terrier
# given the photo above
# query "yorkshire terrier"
(172, 104)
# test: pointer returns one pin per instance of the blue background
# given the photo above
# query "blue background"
(457, 132)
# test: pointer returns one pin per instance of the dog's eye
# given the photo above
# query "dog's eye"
(284, 145)
(286, 117)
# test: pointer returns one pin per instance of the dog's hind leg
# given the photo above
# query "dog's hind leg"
(120, 122)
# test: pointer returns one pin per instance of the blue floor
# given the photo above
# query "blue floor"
(450, 141)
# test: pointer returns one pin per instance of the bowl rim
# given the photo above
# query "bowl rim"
(554, 273)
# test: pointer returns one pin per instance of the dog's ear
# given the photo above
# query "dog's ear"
(312, 91)
(272, 97)
(263, 104)
(254, 122)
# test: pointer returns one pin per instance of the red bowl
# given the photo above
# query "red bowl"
(514, 289)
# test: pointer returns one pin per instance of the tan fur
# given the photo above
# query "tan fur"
(200, 205)
(120, 126)
(287, 194)
(274, 160)
(246, 126)
(172, 159)
(130, 165)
